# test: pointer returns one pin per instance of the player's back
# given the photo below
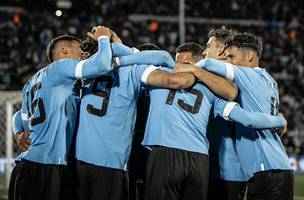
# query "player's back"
(107, 117)
(50, 106)
(178, 118)
(260, 150)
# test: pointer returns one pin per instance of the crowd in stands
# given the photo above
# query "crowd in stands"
(25, 34)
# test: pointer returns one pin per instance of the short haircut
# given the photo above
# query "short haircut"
(193, 47)
(53, 43)
(246, 40)
(148, 46)
(221, 34)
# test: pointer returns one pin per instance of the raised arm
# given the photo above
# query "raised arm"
(219, 85)
(119, 50)
(148, 57)
(98, 64)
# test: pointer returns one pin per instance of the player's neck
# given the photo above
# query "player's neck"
(252, 64)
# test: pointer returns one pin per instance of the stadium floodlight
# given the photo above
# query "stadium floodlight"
(58, 13)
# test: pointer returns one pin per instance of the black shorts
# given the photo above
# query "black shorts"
(137, 169)
(176, 174)
(226, 190)
(271, 185)
(96, 182)
(36, 181)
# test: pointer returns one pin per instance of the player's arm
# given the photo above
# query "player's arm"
(148, 57)
(17, 125)
(119, 49)
(21, 136)
(160, 78)
(232, 111)
(101, 62)
(237, 74)
(219, 85)
(98, 64)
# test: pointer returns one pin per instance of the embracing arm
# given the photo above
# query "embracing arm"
(219, 85)
(148, 57)
(119, 49)
(160, 78)
(253, 119)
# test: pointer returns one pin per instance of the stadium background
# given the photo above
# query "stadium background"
(26, 26)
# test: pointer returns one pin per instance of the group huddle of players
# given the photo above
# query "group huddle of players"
(212, 130)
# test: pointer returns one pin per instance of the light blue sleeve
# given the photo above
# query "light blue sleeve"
(71, 69)
(244, 77)
(140, 74)
(232, 111)
(119, 50)
(17, 123)
(149, 57)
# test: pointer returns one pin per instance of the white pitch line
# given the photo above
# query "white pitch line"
(298, 198)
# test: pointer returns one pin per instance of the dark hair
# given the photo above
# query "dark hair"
(193, 47)
(89, 45)
(221, 34)
(52, 45)
(148, 46)
(246, 40)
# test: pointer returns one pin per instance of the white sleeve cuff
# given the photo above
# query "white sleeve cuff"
(227, 110)
(147, 72)
(24, 116)
(117, 61)
(103, 36)
(135, 50)
(229, 71)
(78, 70)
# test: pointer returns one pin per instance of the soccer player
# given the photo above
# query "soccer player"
(49, 105)
(139, 154)
(106, 124)
(178, 166)
(261, 153)
(225, 171)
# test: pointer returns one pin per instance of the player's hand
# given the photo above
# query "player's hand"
(283, 130)
(114, 37)
(23, 140)
(184, 67)
(98, 31)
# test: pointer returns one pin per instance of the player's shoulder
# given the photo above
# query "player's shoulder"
(63, 62)
(35, 78)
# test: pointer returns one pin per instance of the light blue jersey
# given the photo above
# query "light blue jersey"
(107, 116)
(49, 104)
(257, 150)
(224, 163)
(17, 123)
(179, 118)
